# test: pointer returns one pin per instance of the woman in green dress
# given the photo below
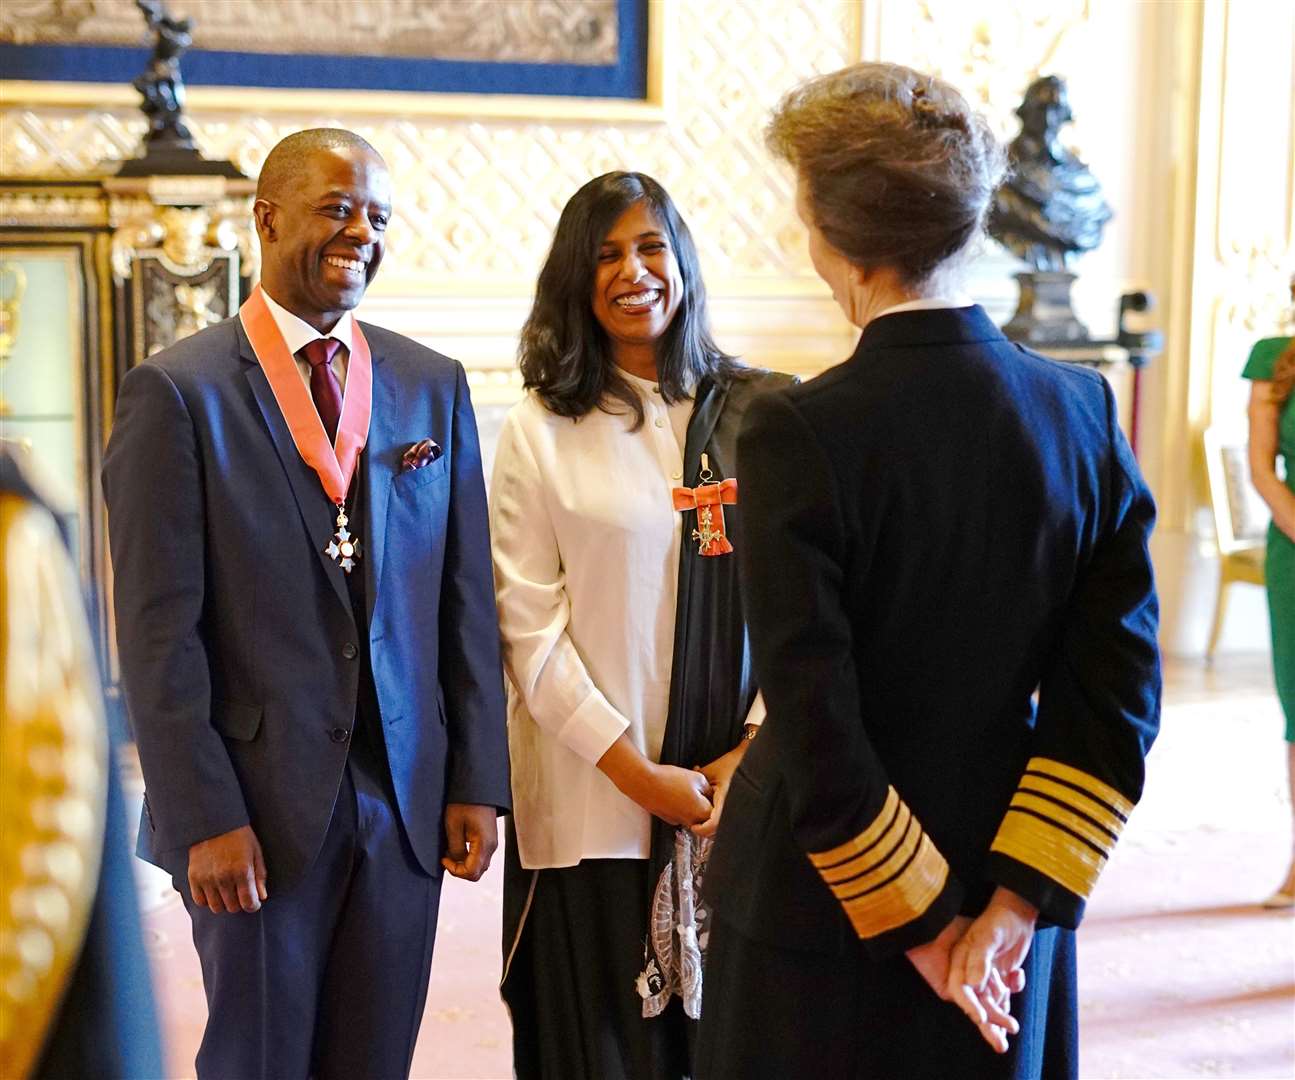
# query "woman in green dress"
(1272, 433)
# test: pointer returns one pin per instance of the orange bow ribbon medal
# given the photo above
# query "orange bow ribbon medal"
(708, 499)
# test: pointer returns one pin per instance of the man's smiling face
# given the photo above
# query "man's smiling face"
(322, 240)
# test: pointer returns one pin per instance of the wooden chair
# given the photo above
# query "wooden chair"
(1240, 520)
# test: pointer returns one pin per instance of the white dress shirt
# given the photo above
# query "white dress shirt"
(586, 551)
(297, 334)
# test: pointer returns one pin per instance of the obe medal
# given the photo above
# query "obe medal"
(344, 547)
(708, 499)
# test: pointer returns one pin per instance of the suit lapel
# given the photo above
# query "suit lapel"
(377, 472)
(317, 513)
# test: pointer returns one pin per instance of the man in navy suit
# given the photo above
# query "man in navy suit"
(309, 650)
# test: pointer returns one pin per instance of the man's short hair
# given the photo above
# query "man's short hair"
(285, 165)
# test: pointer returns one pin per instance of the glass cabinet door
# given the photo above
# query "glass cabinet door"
(42, 380)
(55, 361)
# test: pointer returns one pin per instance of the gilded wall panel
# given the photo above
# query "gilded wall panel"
(478, 196)
(478, 199)
(990, 50)
(1253, 253)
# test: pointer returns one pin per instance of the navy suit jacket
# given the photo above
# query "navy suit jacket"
(239, 648)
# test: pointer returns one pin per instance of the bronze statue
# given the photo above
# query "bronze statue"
(1051, 207)
(161, 84)
(169, 148)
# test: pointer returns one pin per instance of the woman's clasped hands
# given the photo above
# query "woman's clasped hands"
(977, 964)
(677, 796)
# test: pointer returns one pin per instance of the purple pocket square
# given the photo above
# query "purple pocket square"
(423, 452)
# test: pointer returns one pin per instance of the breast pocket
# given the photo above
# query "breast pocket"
(412, 480)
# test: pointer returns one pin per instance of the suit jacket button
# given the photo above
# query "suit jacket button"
(350, 651)
(338, 734)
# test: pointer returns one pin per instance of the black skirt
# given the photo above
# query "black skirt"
(771, 1013)
(573, 947)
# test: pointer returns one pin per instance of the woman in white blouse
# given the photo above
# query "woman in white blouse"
(631, 697)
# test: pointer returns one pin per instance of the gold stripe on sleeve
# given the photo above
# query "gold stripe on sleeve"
(869, 862)
(903, 899)
(1080, 826)
(1067, 774)
(886, 876)
(1064, 823)
(1096, 812)
(1050, 850)
(866, 839)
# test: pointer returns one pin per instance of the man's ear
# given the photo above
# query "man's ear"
(264, 212)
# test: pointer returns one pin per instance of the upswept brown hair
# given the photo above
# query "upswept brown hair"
(899, 170)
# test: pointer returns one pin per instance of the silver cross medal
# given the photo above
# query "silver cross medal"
(343, 548)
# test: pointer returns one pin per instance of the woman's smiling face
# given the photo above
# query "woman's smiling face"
(637, 286)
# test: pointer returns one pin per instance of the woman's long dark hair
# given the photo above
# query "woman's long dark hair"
(565, 355)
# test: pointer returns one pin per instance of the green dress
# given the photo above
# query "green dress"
(1280, 564)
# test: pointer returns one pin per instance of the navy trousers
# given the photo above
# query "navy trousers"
(328, 980)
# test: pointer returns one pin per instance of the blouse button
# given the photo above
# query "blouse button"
(659, 422)
(676, 476)
(656, 389)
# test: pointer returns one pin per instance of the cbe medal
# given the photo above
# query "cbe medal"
(344, 547)
(333, 461)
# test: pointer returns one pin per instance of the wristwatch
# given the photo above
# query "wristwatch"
(749, 732)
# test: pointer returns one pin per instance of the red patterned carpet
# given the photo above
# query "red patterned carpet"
(1182, 975)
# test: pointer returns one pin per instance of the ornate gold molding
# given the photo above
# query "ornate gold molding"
(184, 238)
(182, 244)
(477, 196)
(991, 54)
(48, 207)
(11, 295)
(1256, 294)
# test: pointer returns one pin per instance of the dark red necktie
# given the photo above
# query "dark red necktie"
(324, 387)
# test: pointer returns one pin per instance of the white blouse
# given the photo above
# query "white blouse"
(586, 552)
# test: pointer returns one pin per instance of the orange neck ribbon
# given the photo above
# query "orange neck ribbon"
(334, 463)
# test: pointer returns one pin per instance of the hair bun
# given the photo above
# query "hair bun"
(929, 115)
(898, 168)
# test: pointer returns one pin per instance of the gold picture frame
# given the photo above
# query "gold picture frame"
(652, 108)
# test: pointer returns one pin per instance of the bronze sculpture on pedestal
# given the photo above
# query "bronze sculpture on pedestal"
(161, 85)
(1048, 212)
(169, 148)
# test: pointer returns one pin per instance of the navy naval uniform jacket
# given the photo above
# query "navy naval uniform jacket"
(953, 621)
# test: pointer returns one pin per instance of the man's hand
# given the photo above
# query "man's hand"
(719, 772)
(473, 835)
(988, 1008)
(985, 962)
(227, 872)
